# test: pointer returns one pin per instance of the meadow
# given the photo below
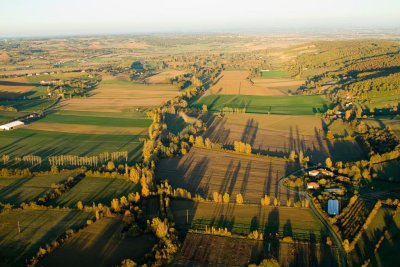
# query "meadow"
(95, 190)
(25, 190)
(38, 227)
(204, 172)
(273, 74)
(284, 105)
(100, 244)
(278, 135)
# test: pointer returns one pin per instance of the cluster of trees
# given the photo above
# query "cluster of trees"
(59, 189)
(228, 110)
(242, 147)
(15, 173)
(93, 161)
(219, 198)
(32, 160)
(217, 231)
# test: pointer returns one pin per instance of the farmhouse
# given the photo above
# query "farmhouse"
(313, 173)
(11, 125)
(312, 185)
(326, 172)
(342, 178)
(333, 206)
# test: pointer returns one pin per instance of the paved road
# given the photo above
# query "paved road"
(336, 238)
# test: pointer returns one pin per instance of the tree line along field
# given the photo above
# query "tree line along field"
(38, 227)
(95, 190)
(24, 190)
(278, 135)
(100, 244)
(204, 172)
(284, 105)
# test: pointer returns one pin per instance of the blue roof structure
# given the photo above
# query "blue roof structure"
(333, 206)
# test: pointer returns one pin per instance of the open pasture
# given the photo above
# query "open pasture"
(24, 190)
(273, 74)
(100, 244)
(38, 227)
(284, 105)
(204, 172)
(279, 134)
(97, 190)
(24, 141)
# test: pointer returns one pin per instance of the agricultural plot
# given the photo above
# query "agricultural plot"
(95, 190)
(23, 141)
(100, 244)
(28, 105)
(204, 172)
(15, 88)
(24, 190)
(365, 246)
(385, 121)
(239, 83)
(38, 227)
(163, 77)
(122, 96)
(279, 134)
(60, 122)
(389, 170)
(6, 116)
(284, 105)
(390, 246)
(273, 74)
(299, 223)
(209, 250)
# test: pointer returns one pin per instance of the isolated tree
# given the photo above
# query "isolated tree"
(204, 108)
(329, 135)
(226, 198)
(79, 205)
(110, 166)
(292, 155)
(275, 202)
(239, 199)
(328, 162)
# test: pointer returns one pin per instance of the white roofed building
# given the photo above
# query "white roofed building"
(11, 125)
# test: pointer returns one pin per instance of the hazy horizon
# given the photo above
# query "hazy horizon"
(21, 18)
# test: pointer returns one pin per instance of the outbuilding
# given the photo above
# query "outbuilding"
(11, 125)
(333, 207)
(312, 185)
(313, 173)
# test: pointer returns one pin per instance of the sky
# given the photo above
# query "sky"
(20, 18)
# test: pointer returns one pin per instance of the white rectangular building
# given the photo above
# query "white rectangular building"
(11, 125)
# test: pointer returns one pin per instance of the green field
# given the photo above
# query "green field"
(17, 191)
(390, 246)
(299, 223)
(285, 105)
(97, 190)
(28, 105)
(38, 227)
(103, 246)
(42, 143)
(100, 121)
(274, 74)
(365, 246)
(128, 115)
(389, 170)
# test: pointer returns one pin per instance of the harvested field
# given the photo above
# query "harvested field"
(299, 223)
(284, 105)
(6, 116)
(209, 250)
(38, 227)
(279, 134)
(100, 244)
(15, 87)
(25, 190)
(237, 82)
(204, 171)
(280, 84)
(163, 77)
(95, 190)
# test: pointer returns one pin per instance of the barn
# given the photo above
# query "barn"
(11, 125)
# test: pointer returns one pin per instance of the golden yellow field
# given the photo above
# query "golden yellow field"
(163, 77)
(14, 87)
